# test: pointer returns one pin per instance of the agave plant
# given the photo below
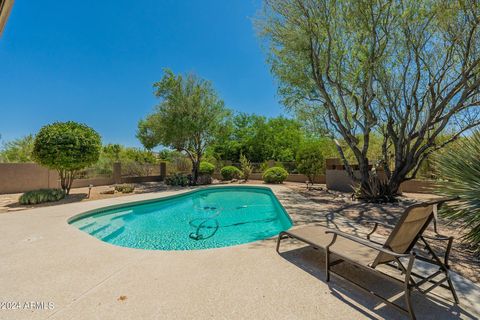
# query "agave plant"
(460, 167)
(375, 190)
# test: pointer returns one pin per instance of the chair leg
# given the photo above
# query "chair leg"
(327, 265)
(279, 239)
(408, 287)
(452, 288)
(408, 302)
(327, 258)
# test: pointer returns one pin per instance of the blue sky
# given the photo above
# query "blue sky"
(95, 61)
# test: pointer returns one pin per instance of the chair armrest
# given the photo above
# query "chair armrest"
(438, 237)
(375, 227)
(366, 243)
(441, 201)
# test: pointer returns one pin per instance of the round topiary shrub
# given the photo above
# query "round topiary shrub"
(206, 168)
(66, 147)
(230, 172)
(275, 175)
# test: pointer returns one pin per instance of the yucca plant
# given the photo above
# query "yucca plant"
(460, 167)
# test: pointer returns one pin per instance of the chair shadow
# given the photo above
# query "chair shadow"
(425, 307)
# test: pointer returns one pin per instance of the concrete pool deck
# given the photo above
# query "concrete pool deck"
(44, 259)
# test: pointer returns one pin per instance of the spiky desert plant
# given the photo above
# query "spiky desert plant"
(460, 167)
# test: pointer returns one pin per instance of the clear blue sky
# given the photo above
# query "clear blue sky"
(95, 61)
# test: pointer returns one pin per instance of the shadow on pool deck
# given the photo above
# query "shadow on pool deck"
(437, 305)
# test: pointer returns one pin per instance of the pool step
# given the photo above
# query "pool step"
(109, 231)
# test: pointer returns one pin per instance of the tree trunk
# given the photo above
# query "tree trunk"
(66, 180)
(195, 169)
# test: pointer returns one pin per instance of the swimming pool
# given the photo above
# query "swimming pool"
(204, 218)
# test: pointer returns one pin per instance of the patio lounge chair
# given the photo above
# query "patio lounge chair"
(397, 251)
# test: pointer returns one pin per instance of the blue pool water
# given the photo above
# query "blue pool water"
(205, 218)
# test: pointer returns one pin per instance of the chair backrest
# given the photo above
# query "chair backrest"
(408, 229)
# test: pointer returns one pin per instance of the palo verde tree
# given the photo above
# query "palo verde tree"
(406, 70)
(66, 147)
(188, 118)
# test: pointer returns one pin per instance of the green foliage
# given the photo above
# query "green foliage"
(310, 160)
(18, 150)
(178, 179)
(258, 138)
(125, 188)
(460, 167)
(230, 172)
(188, 118)
(246, 167)
(134, 161)
(206, 168)
(275, 175)
(41, 196)
(376, 190)
(66, 147)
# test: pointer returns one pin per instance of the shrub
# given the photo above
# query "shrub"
(178, 179)
(460, 166)
(310, 160)
(246, 167)
(125, 188)
(275, 175)
(66, 147)
(206, 168)
(41, 196)
(230, 172)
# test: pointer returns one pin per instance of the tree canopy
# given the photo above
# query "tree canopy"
(259, 139)
(66, 147)
(406, 71)
(189, 117)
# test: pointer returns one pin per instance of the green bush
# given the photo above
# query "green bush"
(275, 175)
(310, 160)
(230, 172)
(178, 179)
(66, 147)
(125, 188)
(41, 196)
(206, 168)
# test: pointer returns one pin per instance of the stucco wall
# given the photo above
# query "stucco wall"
(20, 177)
(339, 180)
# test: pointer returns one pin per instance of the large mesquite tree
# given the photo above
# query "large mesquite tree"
(409, 70)
(188, 118)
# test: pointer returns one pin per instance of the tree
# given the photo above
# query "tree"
(66, 147)
(310, 160)
(18, 150)
(405, 70)
(188, 118)
(259, 138)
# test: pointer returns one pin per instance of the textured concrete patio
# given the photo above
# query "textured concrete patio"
(43, 259)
